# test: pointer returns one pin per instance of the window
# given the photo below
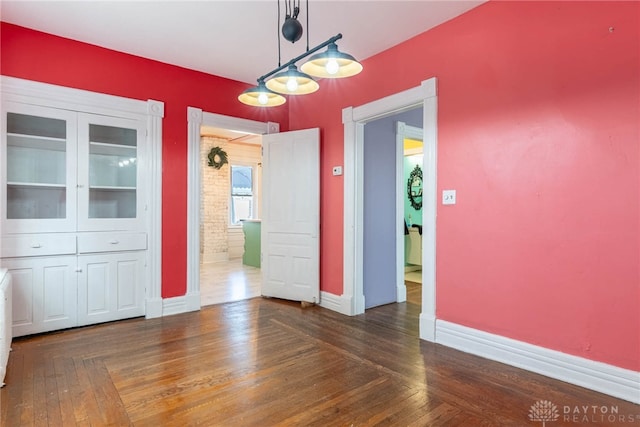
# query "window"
(242, 197)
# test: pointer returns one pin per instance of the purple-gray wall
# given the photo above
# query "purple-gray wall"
(380, 207)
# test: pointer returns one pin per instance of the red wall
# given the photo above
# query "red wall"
(538, 117)
(538, 113)
(41, 57)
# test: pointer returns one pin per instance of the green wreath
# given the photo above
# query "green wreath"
(217, 157)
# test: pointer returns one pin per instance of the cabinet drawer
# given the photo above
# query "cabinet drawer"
(38, 244)
(111, 242)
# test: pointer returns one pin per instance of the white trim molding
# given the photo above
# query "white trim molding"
(194, 120)
(354, 119)
(155, 113)
(601, 377)
(28, 91)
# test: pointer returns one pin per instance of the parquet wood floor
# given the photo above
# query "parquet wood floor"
(266, 362)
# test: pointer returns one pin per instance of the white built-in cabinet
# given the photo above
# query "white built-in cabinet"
(75, 210)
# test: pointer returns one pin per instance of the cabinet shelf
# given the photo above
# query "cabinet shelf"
(111, 188)
(112, 149)
(36, 142)
(38, 185)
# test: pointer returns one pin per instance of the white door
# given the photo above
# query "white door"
(110, 167)
(44, 293)
(110, 287)
(38, 156)
(291, 215)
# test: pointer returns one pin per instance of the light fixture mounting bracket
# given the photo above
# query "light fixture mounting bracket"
(292, 28)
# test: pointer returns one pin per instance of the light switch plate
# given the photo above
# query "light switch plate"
(448, 197)
(337, 170)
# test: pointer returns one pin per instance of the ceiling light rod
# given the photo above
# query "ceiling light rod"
(304, 55)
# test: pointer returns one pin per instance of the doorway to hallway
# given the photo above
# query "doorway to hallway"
(354, 120)
(392, 216)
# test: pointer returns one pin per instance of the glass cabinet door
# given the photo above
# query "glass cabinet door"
(38, 148)
(108, 171)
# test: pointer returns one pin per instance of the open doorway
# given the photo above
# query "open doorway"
(230, 127)
(392, 215)
(409, 195)
(230, 206)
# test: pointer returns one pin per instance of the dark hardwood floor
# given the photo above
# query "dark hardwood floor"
(264, 362)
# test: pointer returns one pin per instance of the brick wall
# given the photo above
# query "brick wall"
(219, 241)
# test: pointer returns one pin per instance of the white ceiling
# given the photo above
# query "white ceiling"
(233, 39)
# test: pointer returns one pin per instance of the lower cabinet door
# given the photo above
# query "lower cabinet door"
(44, 293)
(110, 287)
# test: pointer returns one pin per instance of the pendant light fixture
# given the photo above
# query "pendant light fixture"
(329, 64)
(332, 64)
(292, 82)
(260, 96)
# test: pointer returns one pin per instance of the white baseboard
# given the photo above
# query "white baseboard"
(183, 304)
(193, 301)
(175, 305)
(153, 308)
(336, 303)
(601, 377)
(427, 327)
(401, 293)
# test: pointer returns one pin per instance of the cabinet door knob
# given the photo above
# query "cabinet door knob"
(36, 245)
(78, 270)
(79, 186)
(114, 242)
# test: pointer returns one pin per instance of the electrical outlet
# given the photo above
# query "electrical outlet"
(449, 197)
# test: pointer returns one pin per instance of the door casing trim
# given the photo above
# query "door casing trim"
(354, 119)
